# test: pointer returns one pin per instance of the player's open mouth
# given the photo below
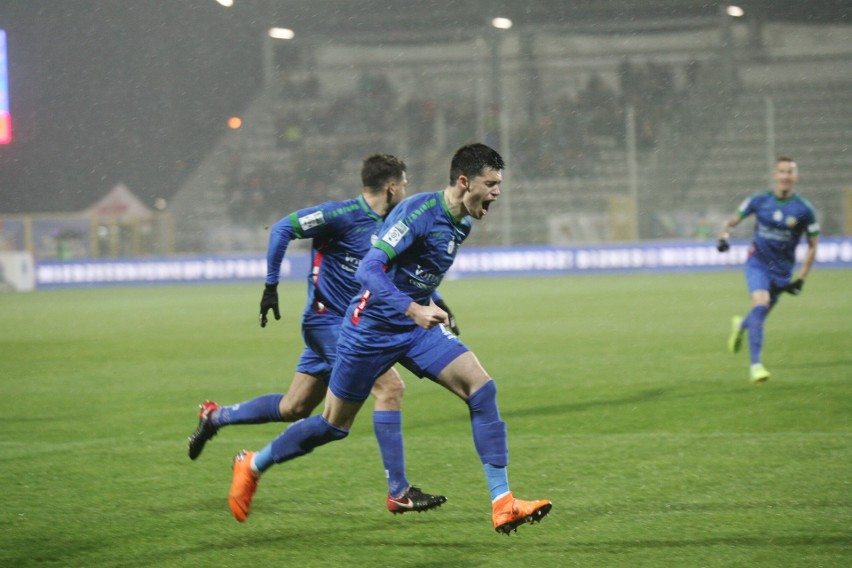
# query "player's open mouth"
(486, 205)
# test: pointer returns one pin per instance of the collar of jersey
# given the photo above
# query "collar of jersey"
(367, 208)
(793, 196)
(447, 209)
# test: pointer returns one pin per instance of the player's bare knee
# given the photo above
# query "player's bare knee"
(389, 390)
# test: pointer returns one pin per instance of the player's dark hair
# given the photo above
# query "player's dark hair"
(379, 169)
(785, 159)
(470, 160)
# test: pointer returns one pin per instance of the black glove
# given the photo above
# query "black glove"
(795, 287)
(722, 245)
(269, 301)
(453, 326)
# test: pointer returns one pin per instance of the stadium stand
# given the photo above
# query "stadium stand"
(701, 138)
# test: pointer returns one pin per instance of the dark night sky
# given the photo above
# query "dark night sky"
(109, 91)
(103, 92)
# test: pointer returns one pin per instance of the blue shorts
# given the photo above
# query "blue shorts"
(758, 277)
(364, 354)
(320, 348)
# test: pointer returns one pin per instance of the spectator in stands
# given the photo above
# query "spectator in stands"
(692, 72)
(598, 103)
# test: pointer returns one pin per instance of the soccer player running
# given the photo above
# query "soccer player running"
(394, 320)
(781, 217)
(341, 233)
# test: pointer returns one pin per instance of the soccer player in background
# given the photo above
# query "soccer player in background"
(341, 233)
(394, 320)
(781, 217)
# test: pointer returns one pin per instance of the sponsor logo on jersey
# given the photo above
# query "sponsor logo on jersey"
(395, 234)
(773, 234)
(422, 278)
(350, 263)
(312, 220)
(777, 216)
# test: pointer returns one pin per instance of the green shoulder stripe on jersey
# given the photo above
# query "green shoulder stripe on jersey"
(294, 222)
(424, 207)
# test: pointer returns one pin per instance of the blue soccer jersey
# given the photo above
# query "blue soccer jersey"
(779, 225)
(341, 233)
(419, 239)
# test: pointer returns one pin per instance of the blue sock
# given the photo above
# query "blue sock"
(756, 317)
(387, 424)
(263, 459)
(299, 439)
(258, 410)
(490, 437)
(498, 480)
(483, 403)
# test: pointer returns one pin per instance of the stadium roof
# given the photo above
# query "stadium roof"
(380, 19)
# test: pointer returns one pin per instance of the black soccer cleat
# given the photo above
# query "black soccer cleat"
(205, 429)
(414, 500)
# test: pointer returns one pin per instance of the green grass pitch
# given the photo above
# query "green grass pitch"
(623, 408)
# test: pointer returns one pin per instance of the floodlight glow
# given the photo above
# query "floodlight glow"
(501, 23)
(735, 11)
(226, 3)
(281, 33)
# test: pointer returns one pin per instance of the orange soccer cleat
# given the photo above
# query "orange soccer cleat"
(509, 513)
(243, 486)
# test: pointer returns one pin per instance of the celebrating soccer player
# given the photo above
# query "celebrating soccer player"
(394, 320)
(341, 233)
(781, 217)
